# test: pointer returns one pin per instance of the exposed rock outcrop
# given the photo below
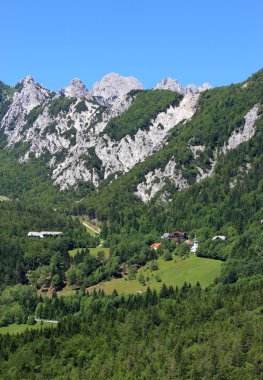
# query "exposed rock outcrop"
(156, 180)
(245, 133)
(112, 86)
(70, 132)
(31, 95)
(173, 85)
(73, 136)
(76, 89)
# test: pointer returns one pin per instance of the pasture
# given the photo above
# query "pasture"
(174, 272)
(17, 329)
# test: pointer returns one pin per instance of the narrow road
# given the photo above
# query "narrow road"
(91, 228)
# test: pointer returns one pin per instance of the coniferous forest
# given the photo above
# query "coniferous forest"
(186, 332)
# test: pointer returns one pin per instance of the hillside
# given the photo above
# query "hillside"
(89, 136)
(136, 164)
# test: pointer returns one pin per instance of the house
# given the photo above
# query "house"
(194, 247)
(43, 234)
(178, 235)
(219, 237)
(35, 234)
(190, 243)
(165, 235)
(155, 246)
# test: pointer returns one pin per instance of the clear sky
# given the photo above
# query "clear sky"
(194, 41)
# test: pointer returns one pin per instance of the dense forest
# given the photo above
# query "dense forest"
(185, 333)
(178, 334)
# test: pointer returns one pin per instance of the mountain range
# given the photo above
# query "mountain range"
(93, 137)
(74, 130)
(116, 170)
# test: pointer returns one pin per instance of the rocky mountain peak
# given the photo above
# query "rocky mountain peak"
(29, 94)
(76, 89)
(170, 84)
(113, 85)
(27, 81)
(173, 85)
(204, 87)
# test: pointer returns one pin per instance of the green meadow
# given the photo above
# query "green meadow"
(93, 251)
(16, 329)
(174, 272)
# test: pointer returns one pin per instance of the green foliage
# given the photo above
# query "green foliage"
(141, 279)
(61, 104)
(81, 107)
(211, 207)
(70, 134)
(92, 161)
(50, 129)
(33, 114)
(181, 334)
(189, 333)
(6, 94)
(145, 107)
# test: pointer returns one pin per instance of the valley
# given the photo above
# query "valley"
(128, 178)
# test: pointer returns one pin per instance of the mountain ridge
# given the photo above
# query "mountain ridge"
(91, 135)
(71, 122)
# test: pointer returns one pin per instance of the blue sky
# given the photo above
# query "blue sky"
(194, 41)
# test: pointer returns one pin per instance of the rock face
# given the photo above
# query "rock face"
(245, 133)
(157, 179)
(125, 154)
(68, 129)
(173, 85)
(30, 96)
(76, 89)
(113, 86)
(78, 148)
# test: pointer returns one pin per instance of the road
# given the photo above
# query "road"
(91, 228)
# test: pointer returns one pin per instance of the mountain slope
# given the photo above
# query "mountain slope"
(79, 134)
(207, 181)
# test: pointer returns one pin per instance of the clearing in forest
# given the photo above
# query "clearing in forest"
(174, 272)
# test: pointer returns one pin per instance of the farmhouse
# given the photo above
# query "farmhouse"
(194, 247)
(155, 246)
(165, 235)
(43, 234)
(178, 235)
(189, 243)
(219, 237)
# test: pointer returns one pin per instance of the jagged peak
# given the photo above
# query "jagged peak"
(28, 84)
(114, 85)
(27, 80)
(169, 83)
(204, 87)
(76, 89)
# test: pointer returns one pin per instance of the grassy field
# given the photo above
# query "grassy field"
(174, 272)
(93, 251)
(16, 329)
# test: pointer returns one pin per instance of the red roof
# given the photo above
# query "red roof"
(156, 245)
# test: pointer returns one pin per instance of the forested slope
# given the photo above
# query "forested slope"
(188, 333)
(180, 334)
(229, 203)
